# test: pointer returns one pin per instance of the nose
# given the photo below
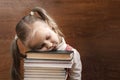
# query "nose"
(48, 44)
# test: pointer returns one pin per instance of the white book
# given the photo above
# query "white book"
(43, 68)
(44, 71)
(35, 73)
(44, 76)
(43, 79)
(48, 65)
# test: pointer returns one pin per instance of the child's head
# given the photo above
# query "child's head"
(37, 31)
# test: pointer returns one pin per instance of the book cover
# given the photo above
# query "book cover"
(50, 55)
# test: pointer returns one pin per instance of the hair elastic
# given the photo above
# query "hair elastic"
(31, 13)
(16, 37)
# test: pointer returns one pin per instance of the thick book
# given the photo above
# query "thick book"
(50, 55)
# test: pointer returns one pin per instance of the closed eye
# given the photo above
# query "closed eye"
(48, 37)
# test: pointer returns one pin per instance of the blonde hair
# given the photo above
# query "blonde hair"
(23, 30)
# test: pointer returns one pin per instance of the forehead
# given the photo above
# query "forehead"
(40, 24)
(39, 33)
(40, 29)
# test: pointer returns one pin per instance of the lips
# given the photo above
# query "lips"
(52, 48)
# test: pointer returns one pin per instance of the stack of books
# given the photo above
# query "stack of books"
(47, 65)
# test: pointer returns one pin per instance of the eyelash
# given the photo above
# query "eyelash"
(48, 37)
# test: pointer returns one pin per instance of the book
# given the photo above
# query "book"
(45, 75)
(43, 79)
(45, 61)
(43, 68)
(49, 65)
(44, 71)
(50, 55)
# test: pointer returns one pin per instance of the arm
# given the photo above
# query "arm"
(75, 71)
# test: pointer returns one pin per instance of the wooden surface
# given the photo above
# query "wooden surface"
(91, 26)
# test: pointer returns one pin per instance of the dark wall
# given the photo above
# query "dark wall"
(91, 26)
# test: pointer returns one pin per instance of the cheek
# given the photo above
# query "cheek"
(56, 39)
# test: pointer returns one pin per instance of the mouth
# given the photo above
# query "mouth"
(54, 47)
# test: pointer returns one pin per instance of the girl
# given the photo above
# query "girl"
(38, 31)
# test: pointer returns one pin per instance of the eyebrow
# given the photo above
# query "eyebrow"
(48, 36)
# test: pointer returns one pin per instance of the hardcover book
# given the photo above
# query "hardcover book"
(51, 55)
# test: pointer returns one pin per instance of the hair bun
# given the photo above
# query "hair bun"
(31, 13)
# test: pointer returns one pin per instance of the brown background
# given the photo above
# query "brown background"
(91, 26)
